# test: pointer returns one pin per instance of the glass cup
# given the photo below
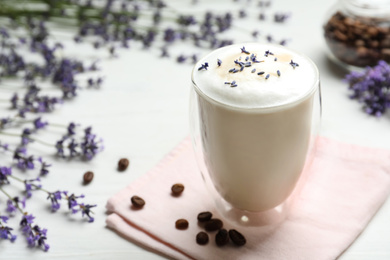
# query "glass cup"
(252, 159)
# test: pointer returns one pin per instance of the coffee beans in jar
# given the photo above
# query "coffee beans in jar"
(358, 32)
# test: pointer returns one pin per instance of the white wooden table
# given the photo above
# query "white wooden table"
(142, 113)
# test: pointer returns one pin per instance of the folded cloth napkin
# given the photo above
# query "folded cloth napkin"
(345, 186)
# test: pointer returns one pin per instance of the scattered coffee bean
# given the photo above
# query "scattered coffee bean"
(204, 216)
(213, 224)
(222, 237)
(88, 177)
(202, 238)
(123, 164)
(137, 202)
(181, 224)
(237, 237)
(177, 189)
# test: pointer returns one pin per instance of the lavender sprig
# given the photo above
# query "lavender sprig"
(35, 236)
(74, 205)
(371, 87)
(69, 146)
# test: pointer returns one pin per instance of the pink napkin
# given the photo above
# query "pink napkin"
(345, 186)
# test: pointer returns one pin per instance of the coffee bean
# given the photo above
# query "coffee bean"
(204, 216)
(340, 36)
(202, 238)
(123, 164)
(357, 41)
(222, 237)
(213, 224)
(88, 177)
(181, 224)
(177, 189)
(237, 237)
(137, 201)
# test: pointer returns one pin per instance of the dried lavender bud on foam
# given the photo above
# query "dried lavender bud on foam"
(252, 90)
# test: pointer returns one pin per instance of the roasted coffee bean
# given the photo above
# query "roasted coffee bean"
(357, 41)
(181, 224)
(213, 224)
(204, 216)
(222, 237)
(123, 164)
(202, 238)
(137, 201)
(177, 189)
(237, 237)
(88, 177)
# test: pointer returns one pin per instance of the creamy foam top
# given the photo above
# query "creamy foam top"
(261, 75)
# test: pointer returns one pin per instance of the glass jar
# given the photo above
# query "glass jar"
(357, 32)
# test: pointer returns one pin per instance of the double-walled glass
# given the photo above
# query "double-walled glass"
(252, 159)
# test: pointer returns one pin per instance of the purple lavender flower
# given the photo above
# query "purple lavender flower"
(23, 162)
(14, 101)
(60, 147)
(5, 231)
(4, 219)
(170, 35)
(4, 146)
(86, 210)
(72, 148)
(72, 202)
(371, 87)
(242, 13)
(99, 81)
(26, 136)
(11, 208)
(31, 185)
(281, 17)
(90, 147)
(224, 22)
(148, 38)
(5, 121)
(43, 171)
(4, 33)
(261, 16)
(35, 236)
(186, 20)
(15, 203)
(54, 198)
(27, 220)
(164, 52)
(71, 128)
(64, 76)
(4, 172)
(38, 124)
(181, 58)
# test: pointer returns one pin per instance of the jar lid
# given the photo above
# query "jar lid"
(371, 8)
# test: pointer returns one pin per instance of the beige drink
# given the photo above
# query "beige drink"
(255, 123)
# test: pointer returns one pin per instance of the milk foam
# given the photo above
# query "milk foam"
(253, 90)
